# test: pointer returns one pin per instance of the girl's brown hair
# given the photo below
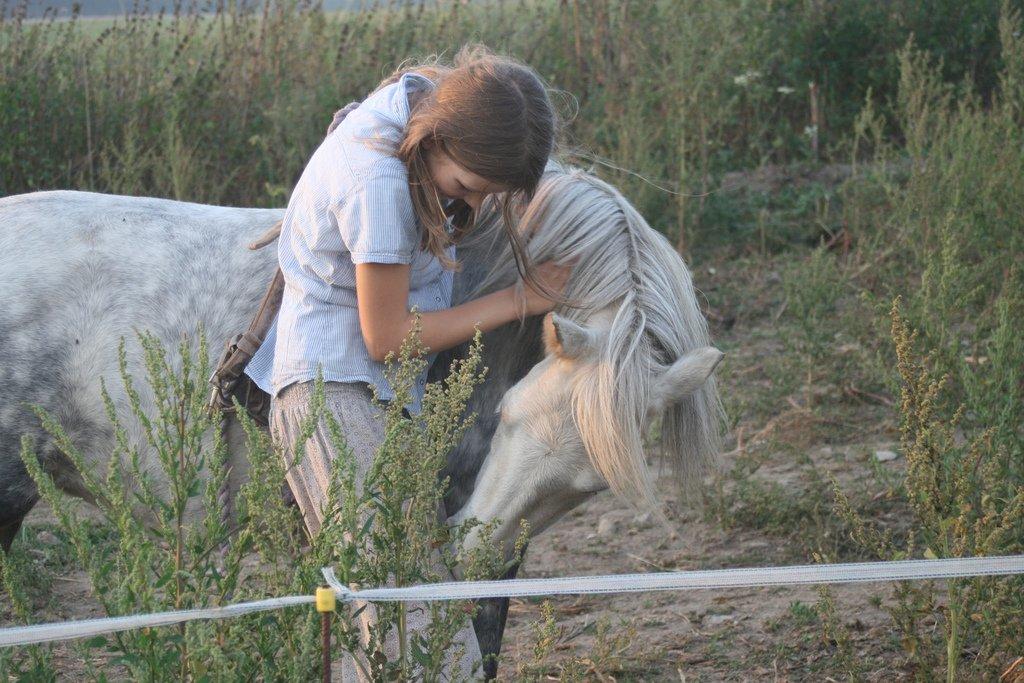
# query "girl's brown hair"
(492, 116)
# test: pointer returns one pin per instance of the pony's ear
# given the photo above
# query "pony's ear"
(683, 377)
(567, 339)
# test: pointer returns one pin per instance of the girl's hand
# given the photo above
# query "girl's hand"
(554, 277)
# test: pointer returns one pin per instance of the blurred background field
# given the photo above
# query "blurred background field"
(65, 9)
(837, 174)
(680, 93)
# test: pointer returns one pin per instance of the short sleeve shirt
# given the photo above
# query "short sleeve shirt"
(351, 205)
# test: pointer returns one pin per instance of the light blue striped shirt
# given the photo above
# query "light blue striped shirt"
(351, 205)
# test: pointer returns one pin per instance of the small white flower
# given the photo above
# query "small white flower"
(746, 78)
(810, 131)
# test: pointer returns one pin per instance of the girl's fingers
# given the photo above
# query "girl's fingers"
(554, 276)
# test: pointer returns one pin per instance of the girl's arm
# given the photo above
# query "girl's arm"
(382, 292)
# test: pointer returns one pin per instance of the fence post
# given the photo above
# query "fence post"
(325, 606)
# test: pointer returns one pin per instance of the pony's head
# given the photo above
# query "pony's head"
(540, 466)
(636, 350)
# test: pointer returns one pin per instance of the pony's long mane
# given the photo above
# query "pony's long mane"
(624, 266)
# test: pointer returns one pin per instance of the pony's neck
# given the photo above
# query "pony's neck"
(508, 354)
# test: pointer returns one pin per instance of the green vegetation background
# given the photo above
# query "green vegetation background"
(226, 108)
(826, 159)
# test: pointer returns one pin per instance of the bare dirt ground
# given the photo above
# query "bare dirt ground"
(738, 634)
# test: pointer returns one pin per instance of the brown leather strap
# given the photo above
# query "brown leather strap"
(248, 343)
(267, 237)
(229, 378)
(265, 314)
(241, 348)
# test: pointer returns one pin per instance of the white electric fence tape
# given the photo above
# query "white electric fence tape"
(714, 578)
(619, 583)
(68, 630)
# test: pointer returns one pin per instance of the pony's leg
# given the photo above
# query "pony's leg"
(10, 522)
(8, 532)
(18, 496)
(489, 624)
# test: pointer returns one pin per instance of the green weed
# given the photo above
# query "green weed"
(193, 553)
(962, 506)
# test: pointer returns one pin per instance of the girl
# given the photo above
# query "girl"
(370, 231)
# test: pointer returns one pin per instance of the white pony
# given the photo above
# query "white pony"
(557, 422)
